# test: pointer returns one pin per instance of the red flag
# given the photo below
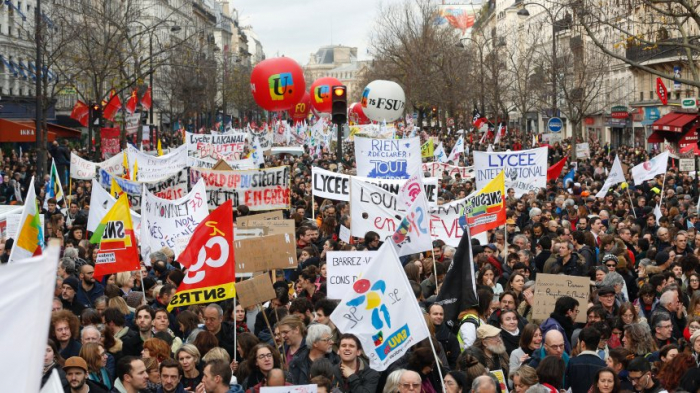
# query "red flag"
(80, 113)
(146, 100)
(555, 170)
(661, 91)
(112, 107)
(209, 260)
(131, 102)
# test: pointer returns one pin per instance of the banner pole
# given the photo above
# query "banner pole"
(432, 253)
(272, 332)
(235, 333)
(437, 363)
(143, 287)
(631, 204)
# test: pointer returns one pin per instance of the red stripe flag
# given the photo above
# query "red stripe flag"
(80, 113)
(555, 170)
(132, 101)
(146, 100)
(209, 260)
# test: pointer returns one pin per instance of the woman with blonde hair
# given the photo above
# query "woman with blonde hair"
(125, 281)
(293, 333)
(217, 353)
(95, 356)
(523, 378)
(188, 356)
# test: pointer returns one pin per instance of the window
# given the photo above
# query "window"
(641, 96)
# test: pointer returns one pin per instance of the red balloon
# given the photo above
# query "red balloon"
(321, 93)
(357, 115)
(300, 111)
(277, 84)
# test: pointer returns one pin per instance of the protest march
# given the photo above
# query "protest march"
(238, 260)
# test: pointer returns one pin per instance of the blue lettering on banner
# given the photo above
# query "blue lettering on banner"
(393, 342)
(389, 169)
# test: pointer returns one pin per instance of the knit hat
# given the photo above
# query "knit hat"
(73, 282)
(610, 257)
(662, 258)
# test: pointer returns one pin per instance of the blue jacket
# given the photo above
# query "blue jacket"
(88, 298)
(581, 370)
(540, 354)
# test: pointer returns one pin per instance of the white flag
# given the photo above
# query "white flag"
(615, 177)
(498, 134)
(657, 213)
(382, 311)
(457, 149)
(439, 153)
(29, 292)
(413, 233)
(649, 169)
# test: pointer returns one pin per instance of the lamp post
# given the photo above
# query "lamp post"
(524, 13)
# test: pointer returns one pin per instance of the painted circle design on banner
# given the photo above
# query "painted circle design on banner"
(320, 90)
(383, 100)
(277, 84)
(300, 110)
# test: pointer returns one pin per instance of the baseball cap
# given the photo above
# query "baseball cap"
(75, 361)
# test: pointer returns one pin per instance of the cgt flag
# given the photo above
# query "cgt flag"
(486, 209)
(458, 290)
(118, 250)
(381, 310)
(209, 260)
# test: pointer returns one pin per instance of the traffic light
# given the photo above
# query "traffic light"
(95, 111)
(339, 109)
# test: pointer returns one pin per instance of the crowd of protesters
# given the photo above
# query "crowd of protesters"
(642, 329)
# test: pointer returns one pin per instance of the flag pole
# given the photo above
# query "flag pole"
(631, 204)
(437, 363)
(143, 286)
(432, 253)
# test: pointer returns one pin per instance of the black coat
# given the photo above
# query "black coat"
(581, 370)
(449, 342)
(365, 380)
(300, 366)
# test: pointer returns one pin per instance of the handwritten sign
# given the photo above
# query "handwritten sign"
(242, 221)
(344, 267)
(265, 253)
(256, 290)
(550, 287)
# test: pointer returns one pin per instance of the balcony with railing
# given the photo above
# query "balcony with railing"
(662, 51)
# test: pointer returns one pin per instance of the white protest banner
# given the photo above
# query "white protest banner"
(227, 146)
(526, 170)
(382, 311)
(436, 169)
(344, 268)
(132, 123)
(583, 150)
(100, 203)
(290, 389)
(208, 163)
(259, 189)
(336, 186)
(82, 169)
(444, 221)
(387, 158)
(172, 187)
(28, 299)
(263, 135)
(113, 165)
(374, 209)
(153, 169)
(166, 223)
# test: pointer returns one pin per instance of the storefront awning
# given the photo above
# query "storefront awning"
(656, 137)
(25, 131)
(674, 122)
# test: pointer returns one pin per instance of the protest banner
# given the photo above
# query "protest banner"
(526, 170)
(109, 142)
(336, 186)
(501, 378)
(31, 295)
(382, 311)
(266, 253)
(132, 123)
(291, 389)
(344, 234)
(387, 158)
(172, 187)
(583, 150)
(374, 209)
(344, 268)
(208, 163)
(82, 169)
(170, 223)
(256, 290)
(100, 203)
(550, 287)
(444, 222)
(113, 165)
(226, 146)
(242, 221)
(263, 135)
(259, 189)
(152, 169)
(436, 169)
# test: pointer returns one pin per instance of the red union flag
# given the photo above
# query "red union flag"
(661, 91)
(209, 260)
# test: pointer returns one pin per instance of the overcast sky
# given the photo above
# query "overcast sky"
(297, 28)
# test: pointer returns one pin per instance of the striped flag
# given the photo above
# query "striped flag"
(29, 239)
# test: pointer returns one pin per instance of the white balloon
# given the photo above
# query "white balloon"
(383, 100)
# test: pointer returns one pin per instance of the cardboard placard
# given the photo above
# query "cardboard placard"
(255, 290)
(273, 227)
(266, 253)
(550, 287)
(273, 215)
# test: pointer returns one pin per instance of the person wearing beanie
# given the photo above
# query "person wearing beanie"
(69, 298)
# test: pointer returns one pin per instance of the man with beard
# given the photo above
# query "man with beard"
(77, 375)
(132, 346)
(443, 334)
(89, 289)
(490, 342)
(69, 298)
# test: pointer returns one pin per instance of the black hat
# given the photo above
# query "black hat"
(606, 291)
(73, 282)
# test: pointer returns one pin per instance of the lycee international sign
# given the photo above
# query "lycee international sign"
(526, 170)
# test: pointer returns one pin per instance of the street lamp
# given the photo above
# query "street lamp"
(523, 13)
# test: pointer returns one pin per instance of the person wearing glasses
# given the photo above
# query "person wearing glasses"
(640, 375)
(410, 381)
(263, 358)
(319, 344)
(670, 304)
